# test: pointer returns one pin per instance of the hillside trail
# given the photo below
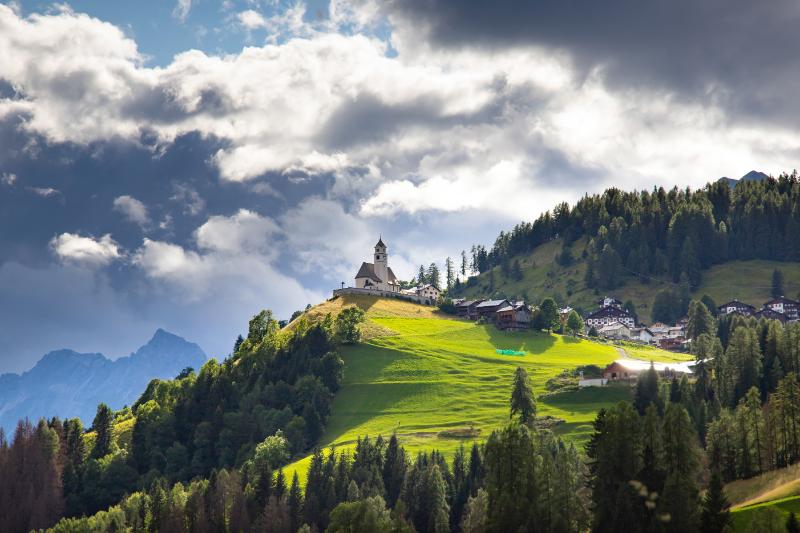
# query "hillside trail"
(622, 352)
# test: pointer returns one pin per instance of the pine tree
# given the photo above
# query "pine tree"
(449, 272)
(422, 277)
(680, 498)
(463, 263)
(522, 399)
(433, 277)
(103, 434)
(700, 320)
(295, 502)
(394, 470)
(715, 516)
(548, 313)
(647, 391)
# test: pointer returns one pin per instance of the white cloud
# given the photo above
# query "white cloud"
(132, 209)
(424, 130)
(193, 203)
(44, 192)
(251, 20)
(73, 248)
(7, 178)
(245, 231)
(181, 10)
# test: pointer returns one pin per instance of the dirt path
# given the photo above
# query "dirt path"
(623, 353)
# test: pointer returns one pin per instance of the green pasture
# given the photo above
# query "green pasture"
(439, 383)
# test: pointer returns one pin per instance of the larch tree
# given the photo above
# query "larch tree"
(522, 399)
(700, 320)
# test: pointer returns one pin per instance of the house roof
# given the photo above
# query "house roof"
(614, 325)
(637, 365)
(466, 303)
(492, 303)
(610, 312)
(782, 300)
(735, 303)
(367, 270)
(770, 314)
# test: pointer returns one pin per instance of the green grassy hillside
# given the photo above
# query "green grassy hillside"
(438, 382)
(749, 281)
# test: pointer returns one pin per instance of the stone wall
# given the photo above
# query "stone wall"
(385, 294)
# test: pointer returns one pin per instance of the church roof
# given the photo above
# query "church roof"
(367, 270)
(392, 277)
(380, 243)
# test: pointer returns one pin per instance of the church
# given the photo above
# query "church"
(377, 275)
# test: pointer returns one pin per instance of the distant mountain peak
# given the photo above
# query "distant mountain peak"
(753, 175)
(67, 383)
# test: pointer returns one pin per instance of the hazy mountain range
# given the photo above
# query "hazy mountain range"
(67, 384)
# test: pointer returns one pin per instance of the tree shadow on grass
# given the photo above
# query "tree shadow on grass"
(524, 341)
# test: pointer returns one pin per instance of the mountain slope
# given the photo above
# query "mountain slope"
(438, 382)
(749, 281)
(66, 383)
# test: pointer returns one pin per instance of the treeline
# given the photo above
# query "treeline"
(520, 479)
(675, 233)
(268, 401)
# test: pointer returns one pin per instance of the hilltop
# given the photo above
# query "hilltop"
(438, 382)
(69, 384)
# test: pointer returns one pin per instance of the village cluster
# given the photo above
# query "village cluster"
(610, 320)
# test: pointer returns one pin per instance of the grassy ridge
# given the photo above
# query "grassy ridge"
(428, 377)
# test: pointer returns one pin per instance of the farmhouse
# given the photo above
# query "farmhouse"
(629, 369)
(609, 315)
(642, 335)
(608, 301)
(514, 317)
(488, 308)
(770, 314)
(615, 330)
(735, 306)
(427, 291)
(467, 308)
(790, 309)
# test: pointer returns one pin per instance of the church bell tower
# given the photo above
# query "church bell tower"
(381, 261)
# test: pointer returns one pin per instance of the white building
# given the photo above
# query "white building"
(377, 275)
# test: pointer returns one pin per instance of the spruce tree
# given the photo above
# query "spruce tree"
(522, 399)
(700, 320)
(548, 314)
(715, 516)
(647, 391)
(680, 498)
(103, 431)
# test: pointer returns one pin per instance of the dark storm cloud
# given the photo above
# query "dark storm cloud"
(368, 119)
(740, 53)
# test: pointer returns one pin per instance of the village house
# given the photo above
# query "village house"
(643, 335)
(488, 308)
(609, 315)
(467, 309)
(789, 308)
(515, 317)
(770, 314)
(735, 306)
(673, 344)
(630, 369)
(608, 301)
(615, 330)
(427, 291)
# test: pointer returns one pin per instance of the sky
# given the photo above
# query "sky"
(185, 164)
